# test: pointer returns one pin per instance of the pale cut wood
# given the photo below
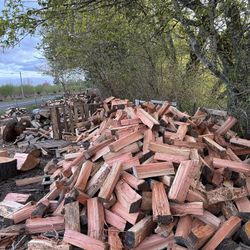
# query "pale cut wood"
(160, 204)
(167, 149)
(125, 141)
(72, 216)
(109, 184)
(20, 198)
(227, 229)
(26, 162)
(199, 236)
(127, 197)
(240, 142)
(95, 219)
(146, 118)
(136, 234)
(115, 220)
(225, 194)
(182, 181)
(83, 241)
(156, 242)
(232, 165)
(114, 240)
(43, 244)
(42, 225)
(118, 209)
(209, 219)
(84, 176)
(95, 183)
(183, 229)
(170, 157)
(193, 208)
(28, 181)
(153, 170)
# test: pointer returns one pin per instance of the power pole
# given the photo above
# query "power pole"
(21, 81)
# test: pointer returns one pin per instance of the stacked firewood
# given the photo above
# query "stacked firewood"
(14, 112)
(148, 177)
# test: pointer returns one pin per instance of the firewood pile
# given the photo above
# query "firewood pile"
(14, 112)
(147, 177)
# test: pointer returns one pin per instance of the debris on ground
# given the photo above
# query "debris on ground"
(123, 176)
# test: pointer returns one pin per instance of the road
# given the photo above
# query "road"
(27, 102)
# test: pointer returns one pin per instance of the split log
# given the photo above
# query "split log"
(127, 197)
(170, 158)
(227, 229)
(193, 208)
(95, 219)
(136, 234)
(209, 219)
(42, 225)
(40, 209)
(84, 176)
(182, 181)
(160, 204)
(109, 184)
(214, 145)
(146, 118)
(20, 198)
(125, 141)
(227, 125)
(83, 241)
(146, 204)
(183, 229)
(115, 220)
(29, 181)
(153, 170)
(134, 182)
(199, 236)
(114, 240)
(240, 142)
(72, 216)
(43, 244)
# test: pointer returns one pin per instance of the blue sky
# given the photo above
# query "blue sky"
(23, 58)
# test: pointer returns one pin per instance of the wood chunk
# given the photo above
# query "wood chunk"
(115, 220)
(165, 230)
(80, 197)
(134, 182)
(125, 141)
(40, 209)
(29, 181)
(146, 204)
(72, 216)
(183, 229)
(227, 125)
(240, 142)
(199, 236)
(109, 184)
(156, 242)
(225, 194)
(182, 181)
(167, 149)
(193, 208)
(127, 197)
(110, 202)
(95, 219)
(167, 180)
(118, 209)
(245, 233)
(228, 209)
(153, 170)
(83, 241)
(83, 177)
(227, 229)
(42, 225)
(160, 204)
(229, 244)
(209, 219)
(215, 146)
(114, 240)
(146, 118)
(7, 168)
(20, 198)
(232, 165)
(181, 132)
(43, 244)
(243, 204)
(26, 162)
(95, 183)
(170, 157)
(136, 234)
